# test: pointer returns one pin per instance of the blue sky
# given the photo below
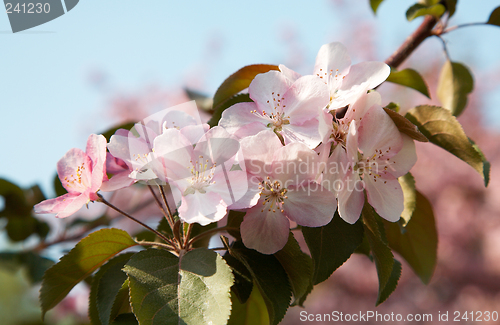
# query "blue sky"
(48, 105)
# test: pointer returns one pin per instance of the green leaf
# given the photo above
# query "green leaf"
(418, 244)
(418, 10)
(125, 319)
(486, 163)
(407, 183)
(234, 219)
(34, 263)
(269, 277)
(235, 83)
(494, 17)
(121, 304)
(442, 129)
(405, 126)
(409, 78)
(203, 102)
(192, 289)
(106, 284)
(392, 283)
(58, 188)
(87, 256)
(374, 5)
(384, 260)
(240, 80)
(243, 284)
(108, 133)
(393, 107)
(240, 98)
(252, 312)
(332, 245)
(455, 83)
(451, 6)
(299, 267)
(199, 229)
(15, 204)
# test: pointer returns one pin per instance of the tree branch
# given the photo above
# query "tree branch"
(412, 42)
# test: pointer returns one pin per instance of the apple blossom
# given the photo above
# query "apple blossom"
(346, 82)
(289, 108)
(375, 156)
(288, 191)
(134, 147)
(81, 174)
(201, 176)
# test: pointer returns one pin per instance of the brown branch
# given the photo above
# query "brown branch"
(412, 42)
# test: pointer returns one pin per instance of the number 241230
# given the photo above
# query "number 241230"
(28, 8)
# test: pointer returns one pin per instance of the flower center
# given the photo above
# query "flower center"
(201, 176)
(274, 195)
(277, 117)
(374, 166)
(77, 182)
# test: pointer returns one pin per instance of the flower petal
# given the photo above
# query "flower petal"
(96, 150)
(194, 132)
(289, 73)
(332, 58)
(217, 145)
(75, 171)
(386, 197)
(258, 150)
(118, 181)
(64, 205)
(310, 204)
(236, 188)
(351, 198)
(240, 115)
(378, 132)
(404, 160)
(307, 133)
(305, 99)
(362, 77)
(265, 231)
(357, 110)
(202, 208)
(266, 87)
(293, 164)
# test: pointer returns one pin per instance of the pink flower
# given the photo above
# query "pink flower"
(288, 191)
(81, 174)
(202, 177)
(336, 127)
(289, 108)
(133, 148)
(376, 155)
(346, 83)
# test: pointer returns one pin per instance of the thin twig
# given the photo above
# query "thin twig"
(149, 243)
(450, 29)
(134, 219)
(187, 235)
(158, 202)
(412, 42)
(169, 212)
(210, 232)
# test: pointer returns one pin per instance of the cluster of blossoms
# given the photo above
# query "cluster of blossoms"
(306, 146)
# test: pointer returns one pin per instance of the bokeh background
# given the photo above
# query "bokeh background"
(109, 62)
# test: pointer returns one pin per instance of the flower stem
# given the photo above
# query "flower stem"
(210, 232)
(101, 199)
(157, 200)
(187, 235)
(149, 243)
(169, 212)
